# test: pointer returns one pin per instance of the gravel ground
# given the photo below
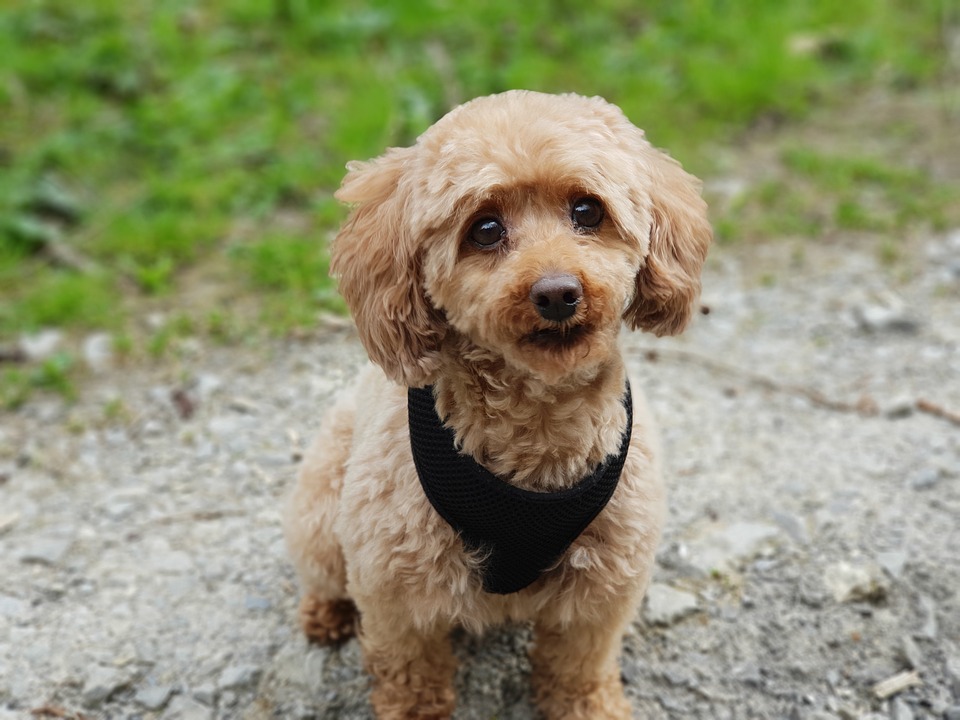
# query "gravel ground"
(810, 552)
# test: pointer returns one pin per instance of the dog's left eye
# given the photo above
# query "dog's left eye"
(587, 213)
(487, 232)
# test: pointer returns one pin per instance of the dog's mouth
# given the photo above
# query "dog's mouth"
(559, 337)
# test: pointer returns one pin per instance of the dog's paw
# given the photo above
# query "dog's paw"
(328, 622)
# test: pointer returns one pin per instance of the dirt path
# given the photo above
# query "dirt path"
(811, 550)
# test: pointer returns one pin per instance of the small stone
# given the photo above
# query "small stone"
(910, 652)
(154, 697)
(184, 708)
(237, 677)
(925, 479)
(46, 550)
(898, 408)
(928, 610)
(952, 713)
(42, 345)
(252, 602)
(892, 562)
(98, 352)
(887, 314)
(206, 693)
(793, 526)
(953, 670)
(666, 605)
(899, 710)
(101, 683)
(13, 607)
(725, 549)
(854, 583)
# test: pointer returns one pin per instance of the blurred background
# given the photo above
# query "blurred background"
(167, 168)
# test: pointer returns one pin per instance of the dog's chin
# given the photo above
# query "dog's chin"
(561, 353)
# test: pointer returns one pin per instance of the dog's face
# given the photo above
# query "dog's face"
(531, 224)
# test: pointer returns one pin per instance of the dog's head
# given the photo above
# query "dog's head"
(531, 224)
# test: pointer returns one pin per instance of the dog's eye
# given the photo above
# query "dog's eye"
(587, 213)
(487, 232)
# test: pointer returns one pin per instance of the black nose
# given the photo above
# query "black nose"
(556, 296)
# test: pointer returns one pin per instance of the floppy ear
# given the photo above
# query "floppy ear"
(668, 285)
(376, 259)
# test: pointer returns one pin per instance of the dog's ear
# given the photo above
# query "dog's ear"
(668, 285)
(376, 259)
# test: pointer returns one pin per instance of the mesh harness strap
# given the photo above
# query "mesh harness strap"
(520, 532)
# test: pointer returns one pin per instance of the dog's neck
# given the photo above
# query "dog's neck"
(531, 434)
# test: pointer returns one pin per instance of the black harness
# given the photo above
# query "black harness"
(520, 532)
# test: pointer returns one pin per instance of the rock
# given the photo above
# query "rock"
(98, 352)
(46, 550)
(925, 479)
(40, 346)
(238, 677)
(928, 611)
(953, 671)
(184, 708)
(952, 713)
(848, 582)
(13, 607)
(892, 562)
(884, 312)
(899, 710)
(154, 697)
(899, 407)
(101, 683)
(793, 526)
(666, 605)
(723, 550)
(206, 693)
(910, 652)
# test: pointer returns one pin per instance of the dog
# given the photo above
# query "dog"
(489, 269)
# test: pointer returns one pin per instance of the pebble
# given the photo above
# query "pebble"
(886, 312)
(666, 605)
(206, 693)
(154, 697)
(899, 710)
(101, 683)
(184, 708)
(98, 352)
(42, 345)
(925, 479)
(13, 608)
(237, 677)
(902, 406)
(724, 549)
(928, 611)
(46, 550)
(910, 652)
(849, 582)
(893, 562)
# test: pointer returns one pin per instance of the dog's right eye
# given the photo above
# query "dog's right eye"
(487, 232)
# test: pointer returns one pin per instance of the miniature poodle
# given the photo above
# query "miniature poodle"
(489, 268)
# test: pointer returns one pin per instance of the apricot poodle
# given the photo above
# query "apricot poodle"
(492, 466)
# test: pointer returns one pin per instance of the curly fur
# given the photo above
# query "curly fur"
(535, 401)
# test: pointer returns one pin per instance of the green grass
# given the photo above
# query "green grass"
(139, 139)
(817, 193)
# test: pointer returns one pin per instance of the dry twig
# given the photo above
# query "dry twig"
(864, 406)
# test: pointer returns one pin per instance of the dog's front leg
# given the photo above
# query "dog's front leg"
(412, 669)
(576, 674)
